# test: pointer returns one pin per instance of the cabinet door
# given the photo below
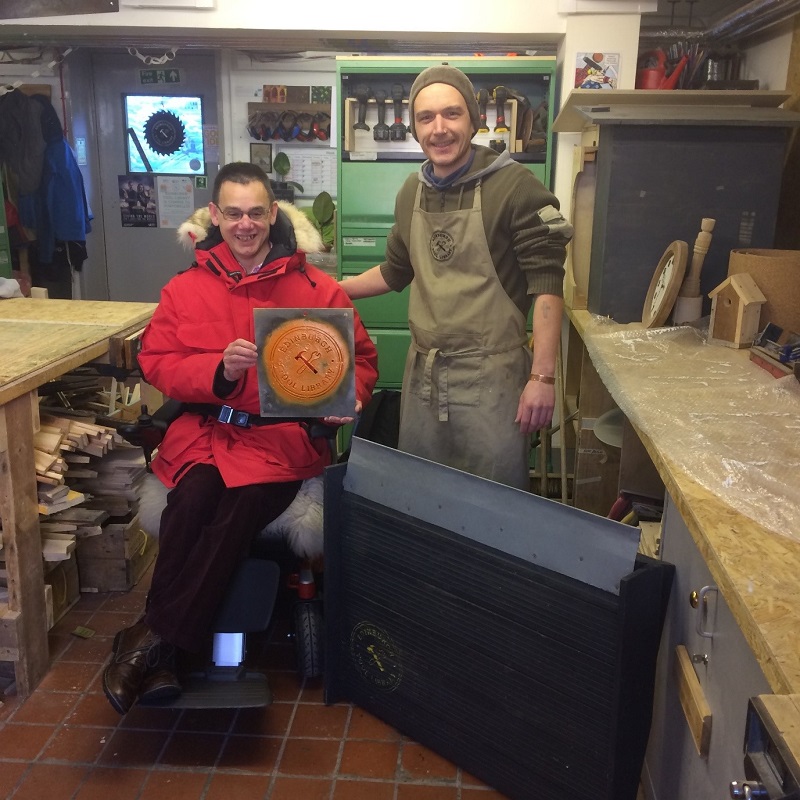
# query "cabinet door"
(730, 677)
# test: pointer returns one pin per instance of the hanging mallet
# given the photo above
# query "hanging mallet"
(689, 303)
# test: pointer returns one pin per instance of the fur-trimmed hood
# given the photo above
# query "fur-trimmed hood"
(200, 232)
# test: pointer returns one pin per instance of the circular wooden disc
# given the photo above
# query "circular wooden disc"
(305, 360)
(665, 285)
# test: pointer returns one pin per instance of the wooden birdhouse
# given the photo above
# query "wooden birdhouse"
(735, 311)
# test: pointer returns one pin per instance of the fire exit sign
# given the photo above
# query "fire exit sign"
(152, 76)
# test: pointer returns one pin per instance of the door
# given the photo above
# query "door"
(140, 259)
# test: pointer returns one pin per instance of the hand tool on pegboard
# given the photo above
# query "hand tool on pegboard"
(500, 96)
(380, 133)
(483, 101)
(362, 96)
(398, 130)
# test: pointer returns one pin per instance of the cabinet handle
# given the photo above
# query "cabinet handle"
(698, 602)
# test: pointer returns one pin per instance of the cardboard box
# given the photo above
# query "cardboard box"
(115, 559)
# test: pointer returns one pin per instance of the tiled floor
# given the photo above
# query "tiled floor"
(66, 742)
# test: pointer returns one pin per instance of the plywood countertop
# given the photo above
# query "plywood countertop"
(755, 567)
(42, 339)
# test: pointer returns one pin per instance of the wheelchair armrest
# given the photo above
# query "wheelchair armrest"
(148, 430)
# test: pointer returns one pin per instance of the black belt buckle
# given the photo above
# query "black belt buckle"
(230, 416)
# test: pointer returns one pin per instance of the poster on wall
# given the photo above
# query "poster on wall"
(175, 200)
(137, 201)
(596, 70)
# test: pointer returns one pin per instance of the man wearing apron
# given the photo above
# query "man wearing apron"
(477, 236)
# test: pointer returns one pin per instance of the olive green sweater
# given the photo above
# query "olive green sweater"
(527, 235)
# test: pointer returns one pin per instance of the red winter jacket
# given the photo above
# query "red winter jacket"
(201, 311)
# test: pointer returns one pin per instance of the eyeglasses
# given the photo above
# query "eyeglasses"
(235, 214)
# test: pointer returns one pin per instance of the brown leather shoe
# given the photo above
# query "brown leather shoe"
(160, 682)
(123, 676)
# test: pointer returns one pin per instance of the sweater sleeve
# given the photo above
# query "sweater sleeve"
(539, 237)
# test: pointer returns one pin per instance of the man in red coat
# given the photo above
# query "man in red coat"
(227, 482)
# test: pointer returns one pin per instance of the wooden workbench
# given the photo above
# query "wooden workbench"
(754, 567)
(39, 340)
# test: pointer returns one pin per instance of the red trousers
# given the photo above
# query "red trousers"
(206, 530)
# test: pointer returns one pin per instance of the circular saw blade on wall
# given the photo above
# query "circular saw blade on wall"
(164, 132)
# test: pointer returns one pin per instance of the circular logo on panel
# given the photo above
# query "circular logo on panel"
(442, 245)
(375, 656)
(305, 360)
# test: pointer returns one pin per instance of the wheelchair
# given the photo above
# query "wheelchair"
(278, 570)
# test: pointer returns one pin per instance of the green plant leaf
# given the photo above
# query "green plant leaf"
(281, 164)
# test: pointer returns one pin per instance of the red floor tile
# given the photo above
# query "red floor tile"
(97, 649)
(10, 774)
(413, 791)
(369, 759)
(133, 748)
(169, 785)
(364, 726)
(108, 623)
(47, 707)
(250, 753)
(270, 721)
(192, 749)
(106, 783)
(305, 788)
(216, 720)
(363, 790)
(23, 741)
(309, 757)
(226, 786)
(70, 676)
(78, 745)
(326, 722)
(93, 709)
(418, 762)
(52, 781)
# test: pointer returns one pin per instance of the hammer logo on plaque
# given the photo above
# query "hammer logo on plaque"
(306, 361)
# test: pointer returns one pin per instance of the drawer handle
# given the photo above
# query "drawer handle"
(699, 603)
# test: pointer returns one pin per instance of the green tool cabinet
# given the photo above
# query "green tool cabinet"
(370, 173)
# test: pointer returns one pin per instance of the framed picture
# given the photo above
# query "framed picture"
(261, 154)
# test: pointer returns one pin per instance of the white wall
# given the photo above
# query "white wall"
(767, 57)
(509, 16)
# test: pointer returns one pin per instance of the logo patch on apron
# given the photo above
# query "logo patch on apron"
(442, 245)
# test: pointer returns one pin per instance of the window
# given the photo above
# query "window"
(165, 134)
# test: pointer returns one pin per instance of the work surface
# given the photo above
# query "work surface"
(754, 565)
(41, 339)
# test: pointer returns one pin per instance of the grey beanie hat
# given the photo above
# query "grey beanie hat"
(442, 73)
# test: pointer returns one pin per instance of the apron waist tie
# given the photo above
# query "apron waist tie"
(431, 356)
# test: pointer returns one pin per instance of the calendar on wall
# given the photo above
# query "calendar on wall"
(314, 170)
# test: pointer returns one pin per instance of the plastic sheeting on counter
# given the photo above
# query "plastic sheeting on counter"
(727, 423)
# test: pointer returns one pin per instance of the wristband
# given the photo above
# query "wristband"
(535, 376)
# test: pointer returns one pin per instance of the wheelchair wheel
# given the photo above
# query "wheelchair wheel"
(308, 638)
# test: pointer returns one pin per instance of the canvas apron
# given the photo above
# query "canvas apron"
(468, 361)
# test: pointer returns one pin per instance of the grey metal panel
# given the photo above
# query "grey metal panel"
(592, 549)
